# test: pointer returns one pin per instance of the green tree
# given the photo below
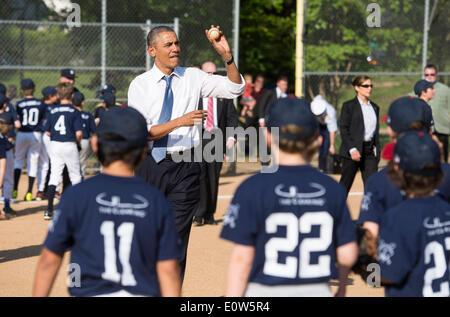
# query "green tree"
(267, 37)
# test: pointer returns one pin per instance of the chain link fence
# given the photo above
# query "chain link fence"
(39, 40)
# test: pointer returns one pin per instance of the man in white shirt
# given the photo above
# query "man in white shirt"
(167, 96)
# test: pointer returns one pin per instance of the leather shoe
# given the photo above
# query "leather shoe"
(209, 220)
(197, 221)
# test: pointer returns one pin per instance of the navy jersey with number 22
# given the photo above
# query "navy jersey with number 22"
(117, 229)
(295, 218)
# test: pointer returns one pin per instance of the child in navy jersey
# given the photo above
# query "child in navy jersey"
(380, 193)
(89, 127)
(4, 129)
(50, 98)
(63, 125)
(414, 240)
(29, 137)
(291, 227)
(121, 231)
(10, 119)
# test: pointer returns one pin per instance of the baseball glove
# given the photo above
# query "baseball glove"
(367, 253)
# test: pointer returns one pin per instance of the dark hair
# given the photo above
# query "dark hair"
(418, 185)
(65, 91)
(431, 66)
(307, 147)
(108, 153)
(282, 77)
(358, 80)
(28, 92)
(151, 36)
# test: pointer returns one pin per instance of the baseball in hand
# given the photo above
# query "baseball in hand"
(214, 33)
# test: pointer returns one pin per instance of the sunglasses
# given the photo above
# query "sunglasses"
(427, 75)
(366, 86)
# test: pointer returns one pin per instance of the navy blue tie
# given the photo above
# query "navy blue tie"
(160, 146)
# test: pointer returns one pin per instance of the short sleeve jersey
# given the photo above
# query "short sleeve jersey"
(380, 194)
(444, 189)
(295, 218)
(117, 228)
(98, 112)
(8, 117)
(88, 124)
(30, 112)
(62, 122)
(414, 248)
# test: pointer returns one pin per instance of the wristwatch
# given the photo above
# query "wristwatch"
(230, 61)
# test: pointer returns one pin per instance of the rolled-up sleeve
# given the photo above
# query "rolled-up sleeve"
(221, 87)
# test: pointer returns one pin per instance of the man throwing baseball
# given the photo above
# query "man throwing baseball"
(167, 96)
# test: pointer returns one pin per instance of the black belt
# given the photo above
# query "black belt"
(368, 143)
(179, 153)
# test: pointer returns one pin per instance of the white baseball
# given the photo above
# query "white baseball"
(214, 33)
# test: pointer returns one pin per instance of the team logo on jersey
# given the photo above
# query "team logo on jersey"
(435, 226)
(115, 206)
(231, 216)
(386, 251)
(293, 197)
(367, 199)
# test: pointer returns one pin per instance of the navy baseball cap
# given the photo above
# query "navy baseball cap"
(404, 111)
(108, 88)
(415, 150)
(77, 98)
(127, 123)
(3, 99)
(109, 99)
(49, 91)
(68, 73)
(26, 84)
(296, 111)
(422, 85)
(2, 89)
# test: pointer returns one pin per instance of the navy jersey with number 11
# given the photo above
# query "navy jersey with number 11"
(117, 228)
(295, 218)
(62, 122)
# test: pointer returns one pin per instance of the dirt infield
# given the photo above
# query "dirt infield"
(22, 237)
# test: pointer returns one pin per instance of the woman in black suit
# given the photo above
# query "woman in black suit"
(360, 148)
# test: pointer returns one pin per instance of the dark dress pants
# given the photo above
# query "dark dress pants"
(209, 188)
(368, 165)
(179, 182)
(324, 147)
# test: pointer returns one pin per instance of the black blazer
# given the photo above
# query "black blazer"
(226, 116)
(264, 102)
(351, 125)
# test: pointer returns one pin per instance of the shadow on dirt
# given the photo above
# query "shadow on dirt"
(20, 253)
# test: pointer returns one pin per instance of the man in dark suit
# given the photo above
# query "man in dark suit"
(360, 147)
(221, 114)
(269, 97)
(262, 108)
